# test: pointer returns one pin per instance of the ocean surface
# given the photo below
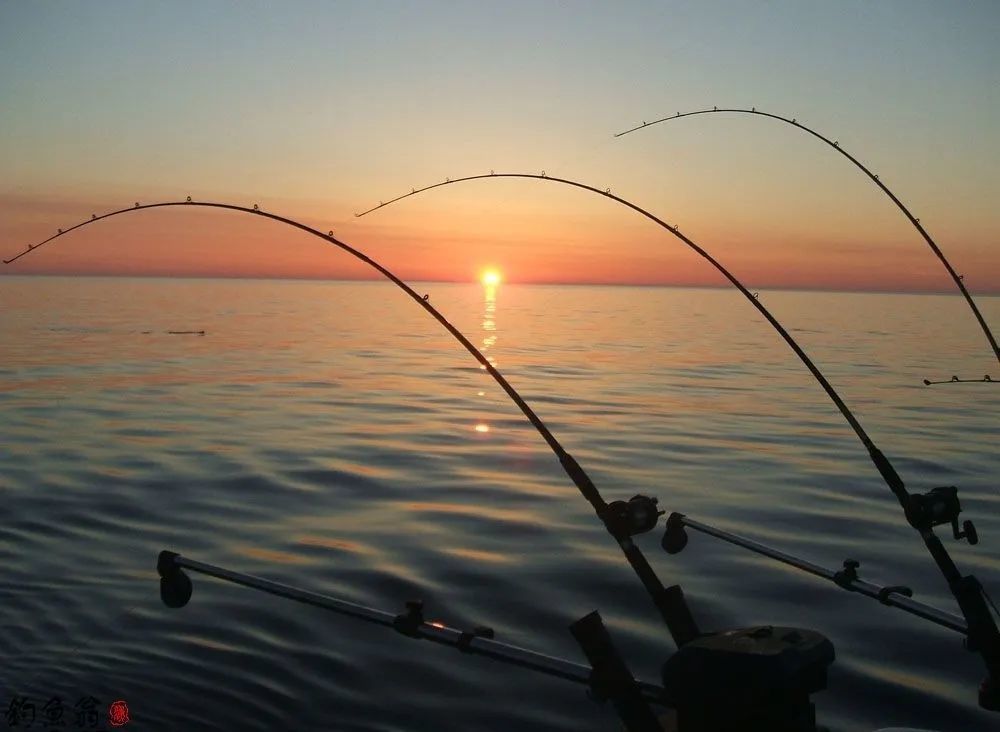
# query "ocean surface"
(333, 436)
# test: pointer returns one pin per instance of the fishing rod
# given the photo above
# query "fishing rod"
(923, 512)
(805, 654)
(623, 519)
(835, 144)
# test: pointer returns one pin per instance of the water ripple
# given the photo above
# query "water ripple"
(323, 437)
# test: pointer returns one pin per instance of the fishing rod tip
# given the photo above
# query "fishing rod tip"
(927, 382)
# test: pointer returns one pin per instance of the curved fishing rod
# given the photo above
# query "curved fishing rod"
(885, 189)
(922, 511)
(623, 520)
(576, 473)
(881, 462)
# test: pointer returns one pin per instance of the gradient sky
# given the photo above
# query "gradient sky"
(318, 110)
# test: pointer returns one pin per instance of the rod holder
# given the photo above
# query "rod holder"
(611, 678)
(411, 623)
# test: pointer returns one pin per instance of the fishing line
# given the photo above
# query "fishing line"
(835, 144)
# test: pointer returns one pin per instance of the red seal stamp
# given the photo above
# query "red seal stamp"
(118, 714)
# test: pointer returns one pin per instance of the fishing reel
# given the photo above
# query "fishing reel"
(937, 507)
(637, 515)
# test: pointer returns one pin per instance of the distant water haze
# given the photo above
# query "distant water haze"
(331, 435)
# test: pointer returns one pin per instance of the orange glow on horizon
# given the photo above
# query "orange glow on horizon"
(557, 249)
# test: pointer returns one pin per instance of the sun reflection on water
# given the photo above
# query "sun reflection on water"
(490, 279)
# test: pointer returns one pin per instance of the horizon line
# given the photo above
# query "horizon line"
(720, 286)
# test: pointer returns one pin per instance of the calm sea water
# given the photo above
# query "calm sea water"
(332, 436)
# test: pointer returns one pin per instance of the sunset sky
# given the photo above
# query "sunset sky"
(318, 110)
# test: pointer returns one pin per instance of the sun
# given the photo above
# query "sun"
(491, 277)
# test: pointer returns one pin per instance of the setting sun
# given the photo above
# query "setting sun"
(491, 277)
